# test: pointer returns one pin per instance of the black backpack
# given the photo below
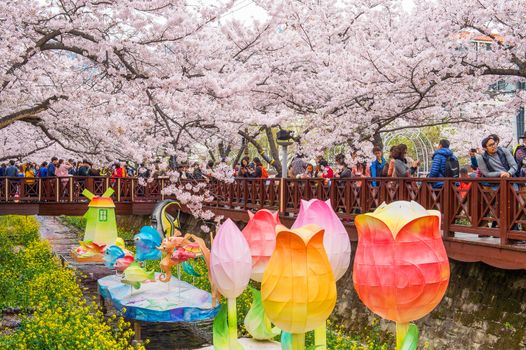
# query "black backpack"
(452, 167)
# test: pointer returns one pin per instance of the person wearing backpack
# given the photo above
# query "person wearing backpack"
(445, 164)
(496, 161)
(260, 170)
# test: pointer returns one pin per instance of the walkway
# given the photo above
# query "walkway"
(481, 224)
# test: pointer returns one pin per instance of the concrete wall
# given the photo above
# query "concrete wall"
(484, 309)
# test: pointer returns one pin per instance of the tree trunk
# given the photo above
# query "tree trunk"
(274, 152)
(261, 151)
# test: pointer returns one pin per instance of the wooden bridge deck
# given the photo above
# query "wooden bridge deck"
(485, 223)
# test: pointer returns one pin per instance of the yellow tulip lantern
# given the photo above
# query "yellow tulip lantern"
(298, 288)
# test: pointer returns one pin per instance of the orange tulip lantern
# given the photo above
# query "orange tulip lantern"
(298, 288)
(401, 269)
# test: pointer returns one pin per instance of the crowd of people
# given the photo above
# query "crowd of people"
(61, 168)
(491, 160)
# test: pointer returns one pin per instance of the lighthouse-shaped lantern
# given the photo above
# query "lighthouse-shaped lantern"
(101, 226)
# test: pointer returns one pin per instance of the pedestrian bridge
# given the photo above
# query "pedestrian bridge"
(483, 223)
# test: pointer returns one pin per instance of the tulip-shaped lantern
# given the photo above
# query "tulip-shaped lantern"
(298, 288)
(401, 269)
(260, 234)
(231, 267)
(336, 242)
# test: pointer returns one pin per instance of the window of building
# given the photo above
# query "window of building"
(103, 215)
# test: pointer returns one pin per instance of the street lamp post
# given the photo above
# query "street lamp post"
(284, 140)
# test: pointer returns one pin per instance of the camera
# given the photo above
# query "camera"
(474, 150)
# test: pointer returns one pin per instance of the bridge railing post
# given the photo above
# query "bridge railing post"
(132, 189)
(6, 189)
(118, 189)
(446, 209)
(504, 209)
(39, 189)
(57, 190)
(282, 196)
(70, 189)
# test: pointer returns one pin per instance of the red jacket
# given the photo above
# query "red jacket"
(328, 173)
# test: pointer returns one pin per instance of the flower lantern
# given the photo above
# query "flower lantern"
(401, 269)
(298, 288)
(260, 234)
(231, 267)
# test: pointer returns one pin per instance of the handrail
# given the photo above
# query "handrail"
(488, 206)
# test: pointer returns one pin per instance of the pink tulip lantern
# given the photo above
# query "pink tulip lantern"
(260, 234)
(335, 241)
(231, 267)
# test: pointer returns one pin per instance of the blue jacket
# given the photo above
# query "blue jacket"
(438, 167)
(51, 169)
(42, 172)
(376, 169)
(11, 171)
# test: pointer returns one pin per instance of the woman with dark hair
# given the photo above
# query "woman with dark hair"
(259, 170)
(343, 170)
(243, 167)
(406, 159)
(327, 172)
(398, 166)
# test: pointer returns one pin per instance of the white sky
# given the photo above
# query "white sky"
(247, 10)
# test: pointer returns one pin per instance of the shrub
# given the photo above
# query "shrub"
(55, 313)
(18, 230)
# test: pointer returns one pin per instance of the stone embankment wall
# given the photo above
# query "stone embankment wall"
(484, 309)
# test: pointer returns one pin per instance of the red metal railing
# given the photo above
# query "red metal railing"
(491, 207)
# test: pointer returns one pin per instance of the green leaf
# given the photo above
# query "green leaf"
(256, 322)
(286, 341)
(189, 269)
(220, 330)
(411, 338)
(221, 336)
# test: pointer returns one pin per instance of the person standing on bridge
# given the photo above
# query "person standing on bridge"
(11, 170)
(52, 168)
(445, 164)
(378, 164)
(495, 162)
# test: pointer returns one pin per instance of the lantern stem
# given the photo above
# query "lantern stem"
(401, 332)
(298, 341)
(232, 320)
(320, 337)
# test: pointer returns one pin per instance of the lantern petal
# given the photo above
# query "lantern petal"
(260, 233)
(230, 260)
(298, 288)
(336, 240)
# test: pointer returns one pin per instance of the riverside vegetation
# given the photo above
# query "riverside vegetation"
(47, 299)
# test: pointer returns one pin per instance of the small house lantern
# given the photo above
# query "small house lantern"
(101, 225)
